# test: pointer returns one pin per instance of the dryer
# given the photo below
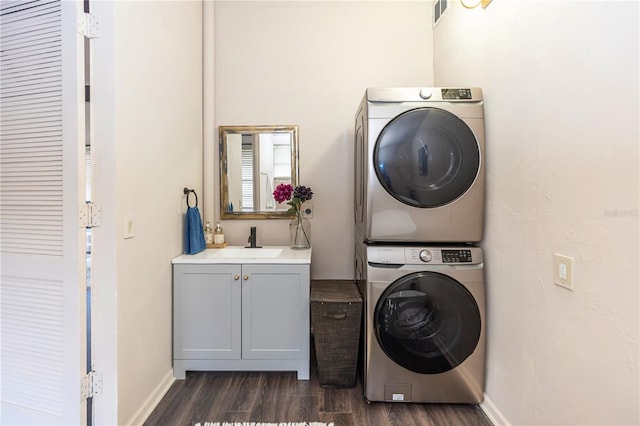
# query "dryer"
(424, 333)
(419, 165)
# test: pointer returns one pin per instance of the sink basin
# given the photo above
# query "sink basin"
(242, 255)
(247, 253)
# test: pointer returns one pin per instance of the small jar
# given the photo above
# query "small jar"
(208, 234)
(218, 234)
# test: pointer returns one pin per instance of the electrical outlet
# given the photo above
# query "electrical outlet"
(563, 271)
(307, 210)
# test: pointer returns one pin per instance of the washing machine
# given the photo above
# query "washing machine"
(419, 165)
(424, 324)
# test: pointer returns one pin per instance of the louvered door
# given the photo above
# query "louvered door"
(41, 189)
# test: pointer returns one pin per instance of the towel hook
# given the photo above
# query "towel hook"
(188, 191)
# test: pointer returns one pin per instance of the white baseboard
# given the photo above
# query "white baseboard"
(140, 416)
(493, 413)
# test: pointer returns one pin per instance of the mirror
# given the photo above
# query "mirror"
(253, 161)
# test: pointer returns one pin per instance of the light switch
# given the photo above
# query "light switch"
(129, 226)
(563, 271)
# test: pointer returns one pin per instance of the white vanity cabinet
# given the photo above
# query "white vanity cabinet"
(240, 316)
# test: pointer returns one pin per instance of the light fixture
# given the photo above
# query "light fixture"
(472, 4)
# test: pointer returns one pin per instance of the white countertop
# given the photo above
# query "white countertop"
(240, 254)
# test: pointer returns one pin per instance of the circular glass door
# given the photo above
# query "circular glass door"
(426, 157)
(427, 322)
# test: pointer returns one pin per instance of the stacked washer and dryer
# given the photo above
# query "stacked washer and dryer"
(419, 211)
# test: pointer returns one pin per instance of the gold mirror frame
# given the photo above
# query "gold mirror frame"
(226, 133)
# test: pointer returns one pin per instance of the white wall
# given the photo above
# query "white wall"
(561, 88)
(148, 92)
(309, 63)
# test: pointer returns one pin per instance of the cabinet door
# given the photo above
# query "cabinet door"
(206, 311)
(275, 305)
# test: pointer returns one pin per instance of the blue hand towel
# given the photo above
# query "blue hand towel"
(194, 241)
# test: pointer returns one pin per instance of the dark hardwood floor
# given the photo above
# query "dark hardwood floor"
(279, 397)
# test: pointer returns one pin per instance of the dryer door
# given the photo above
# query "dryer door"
(426, 157)
(427, 322)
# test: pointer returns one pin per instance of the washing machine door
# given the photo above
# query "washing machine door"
(427, 322)
(426, 157)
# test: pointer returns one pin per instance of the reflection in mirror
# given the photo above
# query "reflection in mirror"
(253, 161)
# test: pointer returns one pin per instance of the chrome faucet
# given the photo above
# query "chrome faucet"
(252, 238)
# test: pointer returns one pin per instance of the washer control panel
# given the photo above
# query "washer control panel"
(456, 256)
(429, 255)
(438, 255)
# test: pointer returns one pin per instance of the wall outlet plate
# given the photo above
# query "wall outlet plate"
(307, 210)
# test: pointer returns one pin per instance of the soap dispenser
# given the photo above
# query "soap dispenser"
(208, 234)
(218, 234)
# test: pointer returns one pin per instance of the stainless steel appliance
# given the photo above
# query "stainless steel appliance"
(419, 165)
(424, 323)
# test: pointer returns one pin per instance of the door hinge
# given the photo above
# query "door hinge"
(90, 215)
(91, 385)
(89, 25)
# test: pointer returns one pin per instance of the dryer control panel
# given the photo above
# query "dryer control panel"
(456, 94)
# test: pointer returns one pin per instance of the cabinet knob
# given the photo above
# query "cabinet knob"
(246, 277)
(236, 277)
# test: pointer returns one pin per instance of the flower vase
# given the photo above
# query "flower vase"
(300, 233)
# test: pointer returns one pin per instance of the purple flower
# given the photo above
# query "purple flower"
(303, 193)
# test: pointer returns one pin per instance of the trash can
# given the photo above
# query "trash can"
(336, 312)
